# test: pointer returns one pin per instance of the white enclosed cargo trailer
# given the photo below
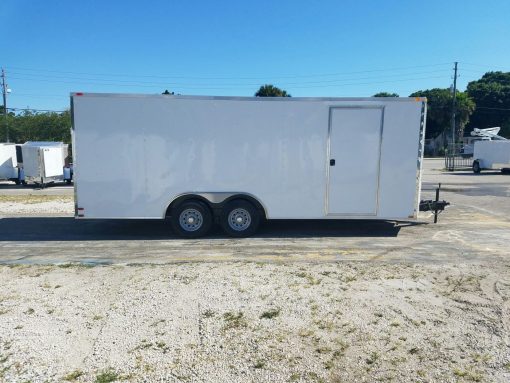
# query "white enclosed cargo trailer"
(494, 155)
(9, 165)
(492, 151)
(44, 162)
(236, 160)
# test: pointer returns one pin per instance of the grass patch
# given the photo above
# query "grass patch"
(107, 376)
(208, 313)
(323, 350)
(374, 357)
(162, 346)
(467, 375)
(70, 264)
(324, 324)
(311, 280)
(234, 320)
(270, 314)
(143, 346)
(154, 324)
(349, 278)
(72, 376)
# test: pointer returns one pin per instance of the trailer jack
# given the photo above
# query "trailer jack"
(434, 205)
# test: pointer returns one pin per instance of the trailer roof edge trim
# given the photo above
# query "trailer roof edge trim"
(247, 98)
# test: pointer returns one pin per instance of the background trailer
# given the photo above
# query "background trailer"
(45, 162)
(236, 159)
(494, 155)
(9, 165)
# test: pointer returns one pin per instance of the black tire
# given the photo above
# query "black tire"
(476, 167)
(239, 218)
(191, 219)
(505, 171)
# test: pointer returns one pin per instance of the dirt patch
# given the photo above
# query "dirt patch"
(246, 322)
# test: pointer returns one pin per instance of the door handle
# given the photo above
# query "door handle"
(332, 162)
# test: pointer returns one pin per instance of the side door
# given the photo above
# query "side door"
(355, 135)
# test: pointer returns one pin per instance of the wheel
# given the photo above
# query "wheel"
(476, 167)
(239, 218)
(505, 171)
(191, 219)
(68, 182)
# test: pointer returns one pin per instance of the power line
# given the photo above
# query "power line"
(237, 86)
(131, 82)
(273, 76)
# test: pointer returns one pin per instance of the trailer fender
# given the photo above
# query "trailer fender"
(216, 201)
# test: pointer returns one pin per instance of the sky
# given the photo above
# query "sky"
(309, 48)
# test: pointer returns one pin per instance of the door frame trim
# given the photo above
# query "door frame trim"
(328, 157)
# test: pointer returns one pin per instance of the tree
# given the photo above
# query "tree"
(491, 94)
(29, 126)
(385, 94)
(439, 110)
(271, 91)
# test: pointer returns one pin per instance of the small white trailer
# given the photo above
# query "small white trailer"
(10, 168)
(493, 155)
(45, 162)
(491, 152)
(237, 160)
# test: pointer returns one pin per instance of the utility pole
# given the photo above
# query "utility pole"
(4, 94)
(454, 104)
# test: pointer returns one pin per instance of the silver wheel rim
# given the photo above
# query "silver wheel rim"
(191, 220)
(239, 219)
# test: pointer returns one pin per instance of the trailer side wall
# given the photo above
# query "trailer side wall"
(135, 154)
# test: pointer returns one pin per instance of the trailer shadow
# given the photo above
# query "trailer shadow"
(481, 174)
(39, 229)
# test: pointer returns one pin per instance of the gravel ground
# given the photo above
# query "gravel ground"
(36, 205)
(299, 302)
(249, 322)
